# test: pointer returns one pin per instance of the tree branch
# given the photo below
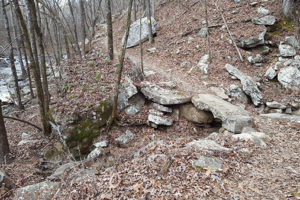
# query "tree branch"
(21, 120)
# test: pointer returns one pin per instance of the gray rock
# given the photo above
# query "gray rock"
(135, 104)
(263, 11)
(102, 144)
(191, 113)
(291, 40)
(256, 137)
(274, 111)
(95, 153)
(271, 73)
(160, 120)
(237, 92)
(205, 144)
(152, 50)
(220, 92)
(168, 84)
(25, 136)
(222, 110)
(289, 78)
(253, 4)
(134, 33)
(203, 32)
(2, 176)
(128, 90)
(249, 86)
(205, 162)
(31, 142)
(204, 68)
(283, 117)
(248, 129)
(236, 123)
(125, 140)
(61, 170)
(163, 96)
(162, 108)
(253, 41)
(289, 110)
(257, 59)
(296, 113)
(263, 50)
(42, 190)
(286, 50)
(184, 64)
(275, 104)
(268, 20)
(156, 112)
(204, 59)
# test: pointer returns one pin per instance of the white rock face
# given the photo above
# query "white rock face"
(275, 104)
(134, 33)
(268, 20)
(204, 162)
(160, 120)
(289, 78)
(263, 11)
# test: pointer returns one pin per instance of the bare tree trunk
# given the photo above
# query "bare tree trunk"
(11, 58)
(153, 8)
(18, 41)
(208, 35)
(39, 34)
(114, 115)
(40, 93)
(110, 42)
(75, 27)
(82, 12)
(288, 7)
(134, 10)
(149, 21)
(4, 145)
(140, 42)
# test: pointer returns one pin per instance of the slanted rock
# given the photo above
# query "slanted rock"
(253, 41)
(268, 20)
(134, 33)
(128, 90)
(125, 140)
(95, 153)
(289, 78)
(42, 190)
(275, 104)
(233, 117)
(283, 117)
(205, 162)
(164, 96)
(191, 113)
(249, 86)
(205, 144)
(286, 50)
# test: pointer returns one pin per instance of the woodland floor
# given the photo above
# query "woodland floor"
(272, 172)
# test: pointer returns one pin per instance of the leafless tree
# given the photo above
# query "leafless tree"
(4, 145)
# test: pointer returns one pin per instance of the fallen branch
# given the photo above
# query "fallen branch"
(229, 32)
(25, 122)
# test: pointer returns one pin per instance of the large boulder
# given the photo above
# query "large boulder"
(233, 117)
(249, 85)
(268, 20)
(127, 91)
(42, 190)
(253, 41)
(191, 113)
(286, 50)
(164, 96)
(289, 77)
(134, 33)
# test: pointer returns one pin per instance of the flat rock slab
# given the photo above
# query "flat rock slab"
(207, 145)
(43, 190)
(284, 117)
(205, 162)
(268, 20)
(160, 120)
(164, 96)
(233, 117)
